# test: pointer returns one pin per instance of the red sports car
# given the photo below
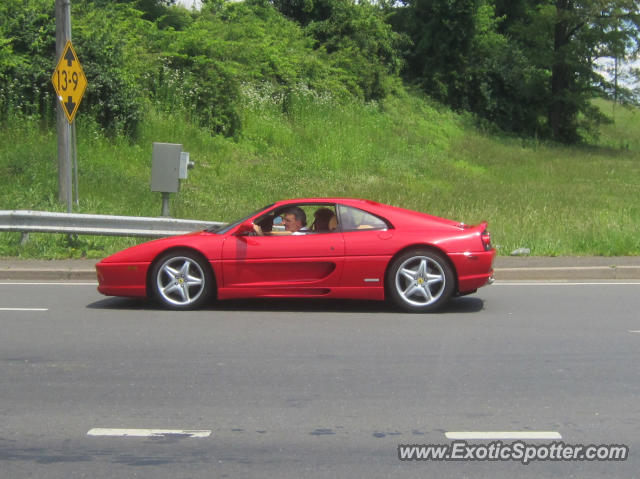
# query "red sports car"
(310, 248)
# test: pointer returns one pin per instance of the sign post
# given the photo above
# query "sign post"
(63, 35)
(70, 84)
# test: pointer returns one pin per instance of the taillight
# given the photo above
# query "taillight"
(486, 240)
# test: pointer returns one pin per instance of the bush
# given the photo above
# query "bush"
(27, 47)
(111, 45)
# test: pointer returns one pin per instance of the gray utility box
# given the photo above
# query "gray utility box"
(169, 166)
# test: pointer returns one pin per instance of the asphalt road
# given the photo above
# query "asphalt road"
(292, 389)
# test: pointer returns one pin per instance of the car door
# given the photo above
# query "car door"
(309, 263)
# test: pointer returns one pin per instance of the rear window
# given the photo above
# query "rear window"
(354, 219)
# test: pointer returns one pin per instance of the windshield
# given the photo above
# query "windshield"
(222, 230)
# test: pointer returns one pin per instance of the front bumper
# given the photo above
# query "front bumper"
(122, 279)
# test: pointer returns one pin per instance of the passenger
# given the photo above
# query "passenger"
(325, 221)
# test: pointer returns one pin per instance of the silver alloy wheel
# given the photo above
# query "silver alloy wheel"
(420, 281)
(180, 281)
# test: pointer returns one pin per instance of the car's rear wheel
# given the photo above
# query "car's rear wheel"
(420, 280)
(182, 280)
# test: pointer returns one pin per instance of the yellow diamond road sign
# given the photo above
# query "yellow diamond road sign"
(69, 81)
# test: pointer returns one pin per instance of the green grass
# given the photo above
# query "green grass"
(555, 200)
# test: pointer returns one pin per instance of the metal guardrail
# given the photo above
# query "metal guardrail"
(26, 221)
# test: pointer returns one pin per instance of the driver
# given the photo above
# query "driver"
(295, 223)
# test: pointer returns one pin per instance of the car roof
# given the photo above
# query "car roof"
(394, 213)
(345, 201)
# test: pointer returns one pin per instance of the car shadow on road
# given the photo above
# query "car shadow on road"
(461, 305)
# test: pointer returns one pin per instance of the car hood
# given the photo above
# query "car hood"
(201, 241)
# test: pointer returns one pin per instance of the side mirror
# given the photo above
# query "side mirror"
(244, 228)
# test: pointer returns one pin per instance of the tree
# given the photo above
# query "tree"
(110, 42)
(357, 38)
(461, 56)
(582, 32)
(528, 65)
(27, 47)
(442, 33)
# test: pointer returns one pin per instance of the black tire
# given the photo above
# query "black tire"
(182, 280)
(420, 281)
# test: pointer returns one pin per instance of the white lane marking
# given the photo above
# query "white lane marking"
(2, 283)
(506, 435)
(24, 309)
(499, 282)
(569, 268)
(563, 283)
(634, 331)
(147, 432)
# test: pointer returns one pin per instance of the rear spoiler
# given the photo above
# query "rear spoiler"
(481, 228)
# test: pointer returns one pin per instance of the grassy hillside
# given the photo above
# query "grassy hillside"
(406, 151)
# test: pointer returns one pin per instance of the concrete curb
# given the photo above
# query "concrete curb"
(20, 274)
(14, 269)
(576, 273)
(506, 269)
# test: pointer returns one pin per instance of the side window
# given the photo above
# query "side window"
(352, 219)
(299, 219)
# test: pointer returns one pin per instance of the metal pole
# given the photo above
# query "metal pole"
(165, 204)
(75, 162)
(68, 176)
(63, 34)
(615, 81)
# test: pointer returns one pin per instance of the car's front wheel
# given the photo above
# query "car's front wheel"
(420, 280)
(182, 280)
